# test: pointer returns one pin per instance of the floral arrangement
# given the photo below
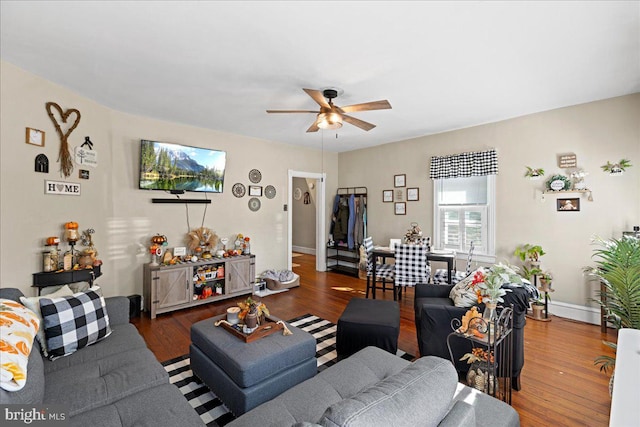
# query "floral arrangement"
(478, 355)
(251, 306)
(488, 283)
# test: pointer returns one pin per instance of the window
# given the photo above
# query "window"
(464, 212)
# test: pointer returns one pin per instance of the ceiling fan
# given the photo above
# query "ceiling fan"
(331, 116)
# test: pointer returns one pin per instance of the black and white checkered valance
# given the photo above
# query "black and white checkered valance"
(464, 165)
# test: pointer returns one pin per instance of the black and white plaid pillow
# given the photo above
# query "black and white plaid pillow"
(74, 322)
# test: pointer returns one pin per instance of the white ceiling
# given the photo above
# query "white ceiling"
(220, 65)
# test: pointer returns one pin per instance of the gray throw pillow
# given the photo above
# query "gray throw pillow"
(426, 386)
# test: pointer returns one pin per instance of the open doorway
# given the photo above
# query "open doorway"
(300, 191)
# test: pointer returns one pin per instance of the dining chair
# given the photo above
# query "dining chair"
(384, 272)
(410, 267)
(440, 276)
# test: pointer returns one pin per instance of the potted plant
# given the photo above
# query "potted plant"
(534, 174)
(254, 307)
(537, 308)
(545, 281)
(618, 269)
(531, 253)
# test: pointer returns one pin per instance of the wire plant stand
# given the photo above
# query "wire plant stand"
(492, 375)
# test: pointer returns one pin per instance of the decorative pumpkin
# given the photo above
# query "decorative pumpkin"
(71, 225)
(159, 239)
(53, 241)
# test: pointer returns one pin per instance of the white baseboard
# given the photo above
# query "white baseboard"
(303, 250)
(575, 312)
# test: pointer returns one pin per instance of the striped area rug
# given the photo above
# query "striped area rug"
(211, 409)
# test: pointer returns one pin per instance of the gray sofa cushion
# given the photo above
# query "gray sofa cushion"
(89, 385)
(158, 406)
(489, 412)
(461, 415)
(386, 402)
(308, 401)
(123, 338)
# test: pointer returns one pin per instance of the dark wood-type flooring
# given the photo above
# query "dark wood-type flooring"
(560, 384)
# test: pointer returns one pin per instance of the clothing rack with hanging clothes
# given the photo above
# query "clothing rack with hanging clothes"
(348, 229)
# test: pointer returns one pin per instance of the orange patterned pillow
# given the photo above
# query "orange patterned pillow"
(18, 327)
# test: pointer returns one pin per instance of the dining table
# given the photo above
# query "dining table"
(385, 252)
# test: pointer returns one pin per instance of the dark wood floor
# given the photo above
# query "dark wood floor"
(560, 384)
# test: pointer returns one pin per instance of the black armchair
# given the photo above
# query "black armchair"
(434, 311)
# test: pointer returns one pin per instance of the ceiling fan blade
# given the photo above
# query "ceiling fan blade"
(314, 127)
(367, 106)
(292, 111)
(357, 122)
(318, 97)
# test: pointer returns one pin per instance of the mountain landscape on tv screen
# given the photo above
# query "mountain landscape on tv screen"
(168, 167)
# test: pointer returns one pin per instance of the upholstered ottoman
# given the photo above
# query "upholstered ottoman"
(366, 322)
(244, 375)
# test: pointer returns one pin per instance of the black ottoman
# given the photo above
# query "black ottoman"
(366, 322)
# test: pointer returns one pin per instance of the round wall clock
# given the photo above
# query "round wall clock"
(270, 191)
(238, 189)
(254, 204)
(255, 176)
(297, 193)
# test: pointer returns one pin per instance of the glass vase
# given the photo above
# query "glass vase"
(490, 316)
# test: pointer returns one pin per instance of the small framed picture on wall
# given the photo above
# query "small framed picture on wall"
(401, 208)
(413, 194)
(255, 190)
(568, 205)
(399, 180)
(387, 196)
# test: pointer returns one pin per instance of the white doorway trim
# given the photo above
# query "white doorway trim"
(320, 216)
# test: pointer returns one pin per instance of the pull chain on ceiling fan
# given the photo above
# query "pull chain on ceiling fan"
(331, 116)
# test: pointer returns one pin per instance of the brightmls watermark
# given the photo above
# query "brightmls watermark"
(34, 415)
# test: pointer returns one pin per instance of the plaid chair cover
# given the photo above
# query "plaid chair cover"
(440, 276)
(411, 265)
(383, 271)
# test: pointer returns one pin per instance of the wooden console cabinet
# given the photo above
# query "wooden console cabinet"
(173, 287)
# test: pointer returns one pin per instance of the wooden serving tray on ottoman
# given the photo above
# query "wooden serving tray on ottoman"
(268, 327)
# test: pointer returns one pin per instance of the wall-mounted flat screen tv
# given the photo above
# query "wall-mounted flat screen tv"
(171, 167)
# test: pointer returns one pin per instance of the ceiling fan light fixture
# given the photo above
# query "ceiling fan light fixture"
(329, 121)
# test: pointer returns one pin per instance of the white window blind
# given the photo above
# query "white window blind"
(464, 213)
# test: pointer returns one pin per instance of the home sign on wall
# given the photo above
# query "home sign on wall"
(62, 188)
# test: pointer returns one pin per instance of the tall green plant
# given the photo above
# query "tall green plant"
(618, 268)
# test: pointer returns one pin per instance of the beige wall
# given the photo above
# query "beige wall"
(303, 233)
(122, 215)
(595, 132)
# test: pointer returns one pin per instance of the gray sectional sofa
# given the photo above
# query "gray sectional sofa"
(114, 382)
(376, 388)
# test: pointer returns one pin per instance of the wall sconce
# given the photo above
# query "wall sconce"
(616, 168)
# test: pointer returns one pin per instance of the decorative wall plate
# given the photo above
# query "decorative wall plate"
(238, 189)
(255, 176)
(297, 193)
(254, 204)
(270, 191)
